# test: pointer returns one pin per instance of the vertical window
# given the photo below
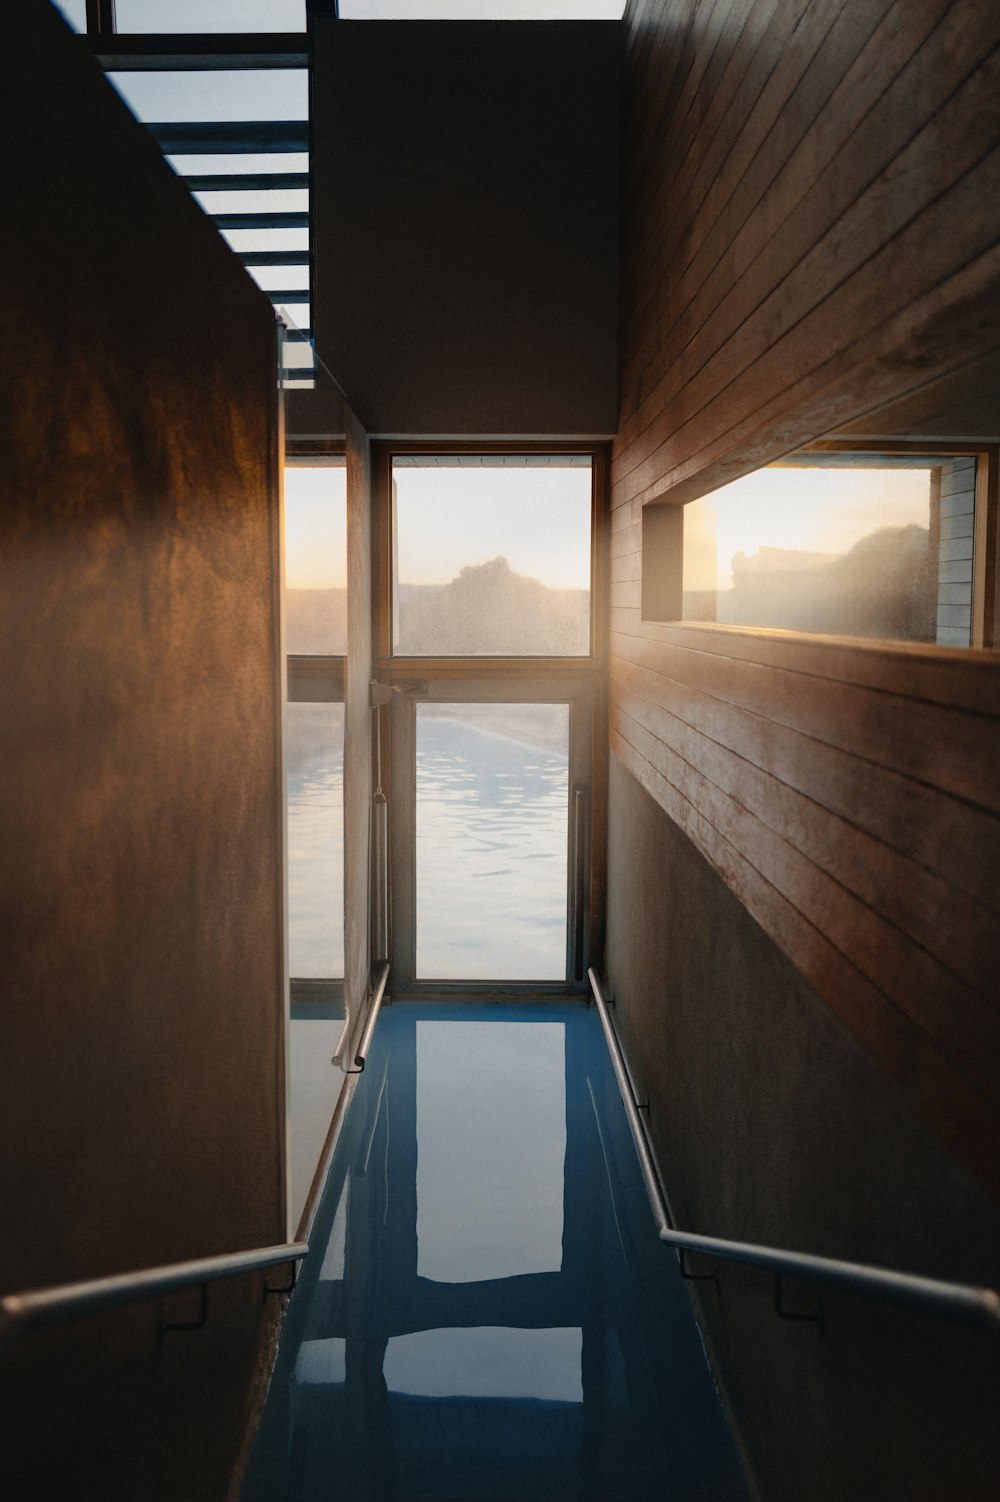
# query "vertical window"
(316, 640)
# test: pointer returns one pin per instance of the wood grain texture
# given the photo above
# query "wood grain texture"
(854, 132)
(808, 234)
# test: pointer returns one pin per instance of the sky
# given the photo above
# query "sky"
(820, 511)
(289, 15)
(538, 518)
(316, 527)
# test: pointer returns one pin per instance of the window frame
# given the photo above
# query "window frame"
(391, 666)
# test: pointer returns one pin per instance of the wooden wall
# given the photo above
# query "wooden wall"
(141, 966)
(809, 231)
(808, 226)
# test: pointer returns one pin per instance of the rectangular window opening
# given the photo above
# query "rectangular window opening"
(868, 545)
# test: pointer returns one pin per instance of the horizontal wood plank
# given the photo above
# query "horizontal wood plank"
(965, 1119)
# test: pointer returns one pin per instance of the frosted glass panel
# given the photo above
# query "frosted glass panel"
(870, 550)
(492, 827)
(491, 557)
(316, 560)
(491, 1134)
(216, 94)
(315, 789)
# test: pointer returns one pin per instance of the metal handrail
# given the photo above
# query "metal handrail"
(41, 1307)
(381, 980)
(374, 1006)
(961, 1302)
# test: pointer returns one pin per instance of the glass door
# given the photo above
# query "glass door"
(487, 566)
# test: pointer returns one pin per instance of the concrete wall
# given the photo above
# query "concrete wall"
(465, 224)
(771, 1124)
(140, 885)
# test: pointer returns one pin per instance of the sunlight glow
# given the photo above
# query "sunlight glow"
(813, 510)
(537, 518)
(316, 527)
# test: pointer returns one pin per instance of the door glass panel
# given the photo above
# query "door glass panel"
(491, 555)
(492, 811)
(315, 772)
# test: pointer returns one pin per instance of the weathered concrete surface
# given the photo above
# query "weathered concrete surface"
(772, 1125)
(140, 903)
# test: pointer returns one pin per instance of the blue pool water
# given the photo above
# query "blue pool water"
(486, 1313)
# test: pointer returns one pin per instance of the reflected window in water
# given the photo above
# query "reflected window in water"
(488, 1361)
(492, 828)
(322, 1361)
(491, 1148)
(867, 546)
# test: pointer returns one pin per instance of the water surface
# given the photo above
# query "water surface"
(487, 1313)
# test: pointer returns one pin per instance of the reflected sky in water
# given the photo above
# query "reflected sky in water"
(487, 1312)
(493, 1214)
(489, 1361)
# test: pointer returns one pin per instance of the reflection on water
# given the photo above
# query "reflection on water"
(492, 812)
(569, 1369)
(488, 1361)
(506, 1204)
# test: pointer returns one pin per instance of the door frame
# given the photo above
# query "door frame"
(577, 693)
(579, 681)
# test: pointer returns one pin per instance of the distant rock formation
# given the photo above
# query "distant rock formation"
(883, 587)
(489, 611)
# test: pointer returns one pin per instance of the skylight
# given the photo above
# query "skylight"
(481, 10)
(74, 12)
(173, 16)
